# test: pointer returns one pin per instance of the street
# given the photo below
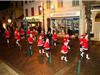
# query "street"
(33, 65)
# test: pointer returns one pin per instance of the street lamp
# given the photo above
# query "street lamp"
(42, 9)
(52, 7)
(9, 21)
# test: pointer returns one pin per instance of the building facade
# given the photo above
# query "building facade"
(57, 14)
(60, 15)
(95, 16)
(14, 11)
(33, 13)
(17, 12)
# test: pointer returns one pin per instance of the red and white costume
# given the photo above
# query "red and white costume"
(22, 32)
(40, 44)
(40, 41)
(64, 51)
(54, 37)
(85, 47)
(42, 35)
(85, 43)
(47, 48)
(18, 36)
(66, 37)
(15, 33)
(65, 48)
(30, 39)
(47, 44)
(28, 32)
(7, 34)
(33, 33)
(81, 39)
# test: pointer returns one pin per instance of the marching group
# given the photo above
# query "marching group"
(44, 42)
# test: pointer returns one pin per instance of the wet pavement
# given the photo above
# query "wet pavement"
(33, 65)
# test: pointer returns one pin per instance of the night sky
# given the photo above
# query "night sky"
(4, 4)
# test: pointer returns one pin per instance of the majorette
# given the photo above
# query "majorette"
(64, 51)
(40, 44)
(54, 38)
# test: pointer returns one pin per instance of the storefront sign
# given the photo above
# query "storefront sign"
(66, 14)
(33, 20)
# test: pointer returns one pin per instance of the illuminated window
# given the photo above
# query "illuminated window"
(26, 12)
(60, 3)
(75, 2)
(25, 2)
(48, 4)
(22, 3)
(32, 11)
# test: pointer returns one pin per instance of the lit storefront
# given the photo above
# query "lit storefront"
(34, 21)
(61, 22)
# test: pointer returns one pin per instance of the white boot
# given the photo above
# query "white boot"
(7, 41)
(65, 58)
(62, 57)
(43, 51)
(54, 44)
(81, 49)
(40, 51)
(82, 54)
(47, 55)
(87, 56)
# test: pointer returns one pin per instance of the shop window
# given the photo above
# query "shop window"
(66, 25)
(32, 11)
(25, 2)
(16, 4)
(48, 4)
(26, 12)
(60, 3)
(22, 3)
(75, 2)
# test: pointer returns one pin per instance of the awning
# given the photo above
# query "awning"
(20, 17)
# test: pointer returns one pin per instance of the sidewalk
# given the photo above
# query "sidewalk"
(89, 67)
(6, 70)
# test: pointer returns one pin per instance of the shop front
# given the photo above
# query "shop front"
(65, 23)
(34, 22)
